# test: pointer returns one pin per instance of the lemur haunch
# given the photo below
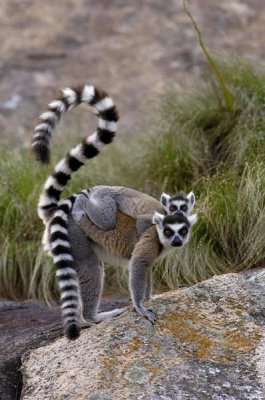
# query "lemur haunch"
(101, 224)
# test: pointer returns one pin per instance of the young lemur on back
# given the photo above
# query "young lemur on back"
(114, 224)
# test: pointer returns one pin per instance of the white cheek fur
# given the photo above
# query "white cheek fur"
(163, 240)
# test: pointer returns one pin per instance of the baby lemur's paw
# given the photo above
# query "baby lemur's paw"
(147, 313)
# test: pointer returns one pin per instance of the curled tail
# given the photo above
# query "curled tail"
(89, 148)
(65, 269)
(70, 98)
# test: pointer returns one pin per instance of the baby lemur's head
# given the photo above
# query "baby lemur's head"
(178, 203)
(173, 230)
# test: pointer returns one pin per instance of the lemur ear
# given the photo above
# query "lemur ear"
(158, 219)
(191, 198)
(164, 199)
(193, 219)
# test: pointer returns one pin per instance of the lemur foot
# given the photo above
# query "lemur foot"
(108, 314)
(147, 313)
(86, 324)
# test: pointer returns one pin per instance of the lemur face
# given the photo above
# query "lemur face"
(173, 230)
(178, 203)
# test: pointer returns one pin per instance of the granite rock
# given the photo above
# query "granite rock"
(208, 343)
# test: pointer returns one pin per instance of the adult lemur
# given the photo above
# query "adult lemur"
(113, 224)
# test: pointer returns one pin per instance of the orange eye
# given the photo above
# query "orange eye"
(183, 231)
(168, 232)
(172, 208)
(184, 208)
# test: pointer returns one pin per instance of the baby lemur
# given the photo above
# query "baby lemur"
(113, 224)
(100, 204)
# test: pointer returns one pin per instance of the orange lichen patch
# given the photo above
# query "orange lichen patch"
(127, 359)
(194, 340)
(179, 325)
(109, 365)
(122, 357)
(155, 370)
(135, 344)
(242, 341)
(157, 346)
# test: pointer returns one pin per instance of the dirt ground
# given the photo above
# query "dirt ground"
(134, 50)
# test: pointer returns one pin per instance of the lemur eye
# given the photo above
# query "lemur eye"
(168, 232)
(183, 231)
(184, 208)
(173, 208)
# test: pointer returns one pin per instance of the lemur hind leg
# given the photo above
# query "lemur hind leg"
(98, 206)
(91, 276)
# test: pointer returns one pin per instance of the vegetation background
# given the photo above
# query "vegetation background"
(195, 129)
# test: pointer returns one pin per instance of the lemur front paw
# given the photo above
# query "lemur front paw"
(147, 313)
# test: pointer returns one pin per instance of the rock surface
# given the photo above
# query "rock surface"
(208, 343)
(25, 326)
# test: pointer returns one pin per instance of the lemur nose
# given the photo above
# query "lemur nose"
(179, 212)
(176, 242)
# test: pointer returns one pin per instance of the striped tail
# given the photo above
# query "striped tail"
(70, 98)
(89, 148)
(65, 269)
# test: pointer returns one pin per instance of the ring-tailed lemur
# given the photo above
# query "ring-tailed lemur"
(79, 246)
(178, 203)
